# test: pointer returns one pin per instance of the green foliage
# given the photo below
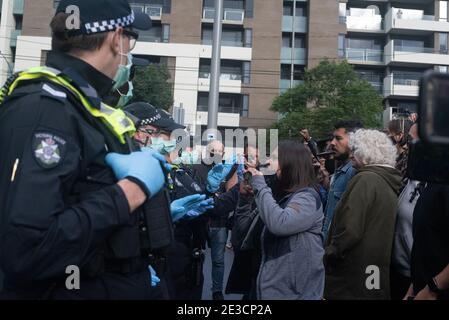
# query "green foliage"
(330, 92)
(151, 85)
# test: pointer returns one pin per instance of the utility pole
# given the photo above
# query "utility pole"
(214, 90)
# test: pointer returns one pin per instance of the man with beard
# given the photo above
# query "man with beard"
(344, 172)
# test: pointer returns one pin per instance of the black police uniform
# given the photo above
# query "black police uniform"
(65, 208)
(185, 257)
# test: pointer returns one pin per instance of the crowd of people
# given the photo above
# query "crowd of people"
(112, 192)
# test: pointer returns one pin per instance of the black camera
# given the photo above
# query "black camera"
(429, 157)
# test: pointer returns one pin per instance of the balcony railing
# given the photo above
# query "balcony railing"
(372, 23)
(228, 43)
(406, 81)
(154, 11)
(221, 109)
(411, 14)
(229, 15)
(364, 55)
(401, 48)
(223, 76)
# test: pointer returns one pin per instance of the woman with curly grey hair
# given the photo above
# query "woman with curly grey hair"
(359, 245)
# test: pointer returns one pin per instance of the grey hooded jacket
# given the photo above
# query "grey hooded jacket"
(292, 245)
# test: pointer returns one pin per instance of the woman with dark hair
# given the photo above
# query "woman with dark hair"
(292, 246)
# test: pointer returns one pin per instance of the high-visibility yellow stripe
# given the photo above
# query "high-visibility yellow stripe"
(115, 119)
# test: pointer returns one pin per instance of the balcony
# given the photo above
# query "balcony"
(364, 56)
(363, 20)
(294, 24)
(403, 55)
(153, 10)
(400, 20)
(229, 83)
(230, 16)
(293, 55)
(401, 85)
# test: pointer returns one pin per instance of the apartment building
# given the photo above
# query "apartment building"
(266, 46)
(391, 43)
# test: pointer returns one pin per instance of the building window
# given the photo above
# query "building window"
(288, 8)
(443, 42)
(245, 106)
(300, 11)
(249, 8)
(443, 10)
(152, 35)
(286, 40)
(286, 71)
(246, 72)
(231, 36)
(230, 69)
(298, 72)
(341, 45)
(342, 12)
(166, 33)
(300, 41)
(248, 38)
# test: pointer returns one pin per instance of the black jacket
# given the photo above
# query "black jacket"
(59, 202)
(225, 202)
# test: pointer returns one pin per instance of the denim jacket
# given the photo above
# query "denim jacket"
(339, 181)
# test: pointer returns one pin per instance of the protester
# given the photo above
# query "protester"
(309, 141)
(403, 242)
(246, 231)
(430, 252)
(398, 130)
(225, 191)
(292, 245)
(362, 231)
(344, 172)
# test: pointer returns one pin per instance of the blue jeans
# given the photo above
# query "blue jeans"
(218, 238)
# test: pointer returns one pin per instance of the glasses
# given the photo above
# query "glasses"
(151, 132)
(133, 36)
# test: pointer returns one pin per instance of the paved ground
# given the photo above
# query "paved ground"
(207, 294)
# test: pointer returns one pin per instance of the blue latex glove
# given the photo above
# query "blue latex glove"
(203, 207)
(141, 165)
(180, 207)
(154, 278)
(217, 175)
(159, 157)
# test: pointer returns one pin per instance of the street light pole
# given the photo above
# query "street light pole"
(214, 90)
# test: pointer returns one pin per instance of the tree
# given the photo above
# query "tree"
(151, 85)
(331, 91)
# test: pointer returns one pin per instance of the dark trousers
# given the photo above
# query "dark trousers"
(399, 285)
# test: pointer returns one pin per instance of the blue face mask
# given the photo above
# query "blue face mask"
(162, 146)
(123, 72)
(125, 98)
(187, 158)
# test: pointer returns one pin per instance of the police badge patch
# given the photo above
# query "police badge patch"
(48, 149)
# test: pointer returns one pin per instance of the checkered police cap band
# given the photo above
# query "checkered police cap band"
(109, 25)
(151, 120)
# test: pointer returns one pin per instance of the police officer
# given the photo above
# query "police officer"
(73, 194)
(156, 130)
